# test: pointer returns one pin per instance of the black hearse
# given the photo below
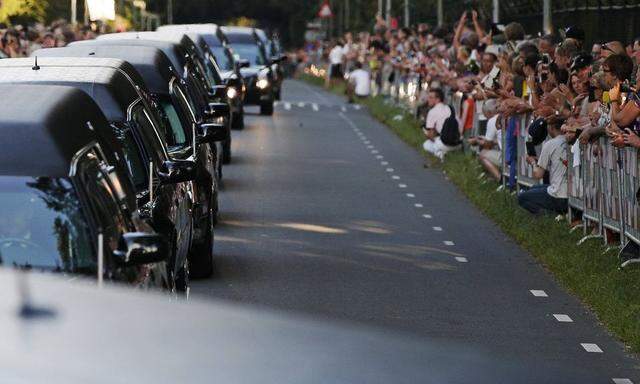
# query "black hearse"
(163, 184)
(214, 44)
(259, 77)
(180, 114)
(194, 65)
(63, 205)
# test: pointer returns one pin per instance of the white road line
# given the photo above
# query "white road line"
(418, 205)
(437, 229)
(402, 185)
(379, 157)
(344, 109)
(369, 146)
(375, 151)
(622, 381)
(384, 163)
(315, 107)
(591, 348)
(563, 318)
(367, 142)
(394, 177)
(356, 107)
(390, 169)
(449, 243)
(462, 260)
(301, 104)
(287, 106)
(538, 293)
(427, 216)
(411, 195)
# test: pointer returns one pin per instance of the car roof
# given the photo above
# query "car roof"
(240, 35)
(173, 51)
(110, 82)
(206, 29)
(49, 121)
(151, 63)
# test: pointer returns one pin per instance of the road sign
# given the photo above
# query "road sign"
(325, 11)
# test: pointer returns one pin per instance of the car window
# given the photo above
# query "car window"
(102, 199)
(186, 103)
(151, 137)
(132, 156)
(223, 58)
(175, 136)
(43, 226)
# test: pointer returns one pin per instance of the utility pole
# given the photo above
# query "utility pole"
(169, 11)
(388, 13)
(407, 22)
(74, 11)
(440, 13)
(496, 11)
(547, 26)
(380, 8)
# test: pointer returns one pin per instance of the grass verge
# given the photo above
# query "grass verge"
(613, 295)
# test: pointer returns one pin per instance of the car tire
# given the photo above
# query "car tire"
(238, 120)
(201, 259)
(226, 152)
(182, 280)
(266, 109)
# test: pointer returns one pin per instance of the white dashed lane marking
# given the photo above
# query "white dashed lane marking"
(344, 109)
(437, 229)
(418, 205)
(427, 216)
(287, 106)
(622, 381)
(394, 177)
(390, 169)
(379, 157)
(301, 104)
(402, 185)
(591, 348)
(449, 243)
(315, 107)
(384, 163)
(411, 195)
(462, 260)
(375, 152)
(538, 293)
(563, 318)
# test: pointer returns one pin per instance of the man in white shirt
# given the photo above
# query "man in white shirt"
(550, 197)
(359, 83)
(438, 113)
(336, 55)
(491, 143)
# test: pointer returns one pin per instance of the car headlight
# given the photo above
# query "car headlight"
(262, 83)
(221, 120)
(232, 93)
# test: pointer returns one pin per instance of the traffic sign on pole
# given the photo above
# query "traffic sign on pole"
(325, 11)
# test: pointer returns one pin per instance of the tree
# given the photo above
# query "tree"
(23, 11)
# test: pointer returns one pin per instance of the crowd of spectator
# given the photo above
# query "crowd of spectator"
(20, 40)
(574, 93)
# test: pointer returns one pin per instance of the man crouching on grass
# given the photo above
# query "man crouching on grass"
(550, 197)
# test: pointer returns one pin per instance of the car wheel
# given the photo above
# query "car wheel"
(266, 109)
(182, 280)
(238, 120)
(226, 152)
(202, 253)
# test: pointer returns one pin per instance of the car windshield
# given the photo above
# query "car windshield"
(42, 225)
(250, 52)
(223, 58)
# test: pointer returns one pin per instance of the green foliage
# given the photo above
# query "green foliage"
(23, 11)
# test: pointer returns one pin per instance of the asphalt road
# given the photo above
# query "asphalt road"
(326, 213)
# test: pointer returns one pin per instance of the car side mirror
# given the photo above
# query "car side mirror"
(218, 91)
(243, 64)
(218, 110)
(211, 132)
(177, 171)
(137, 248)
(279, 59)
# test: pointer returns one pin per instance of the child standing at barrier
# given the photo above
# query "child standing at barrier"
(550, 197)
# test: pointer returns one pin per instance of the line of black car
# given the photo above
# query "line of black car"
(114, 148)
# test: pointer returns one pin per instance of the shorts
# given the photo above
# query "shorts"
(494, 156)
(335, 71)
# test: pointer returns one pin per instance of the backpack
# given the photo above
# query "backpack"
(450, 134)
